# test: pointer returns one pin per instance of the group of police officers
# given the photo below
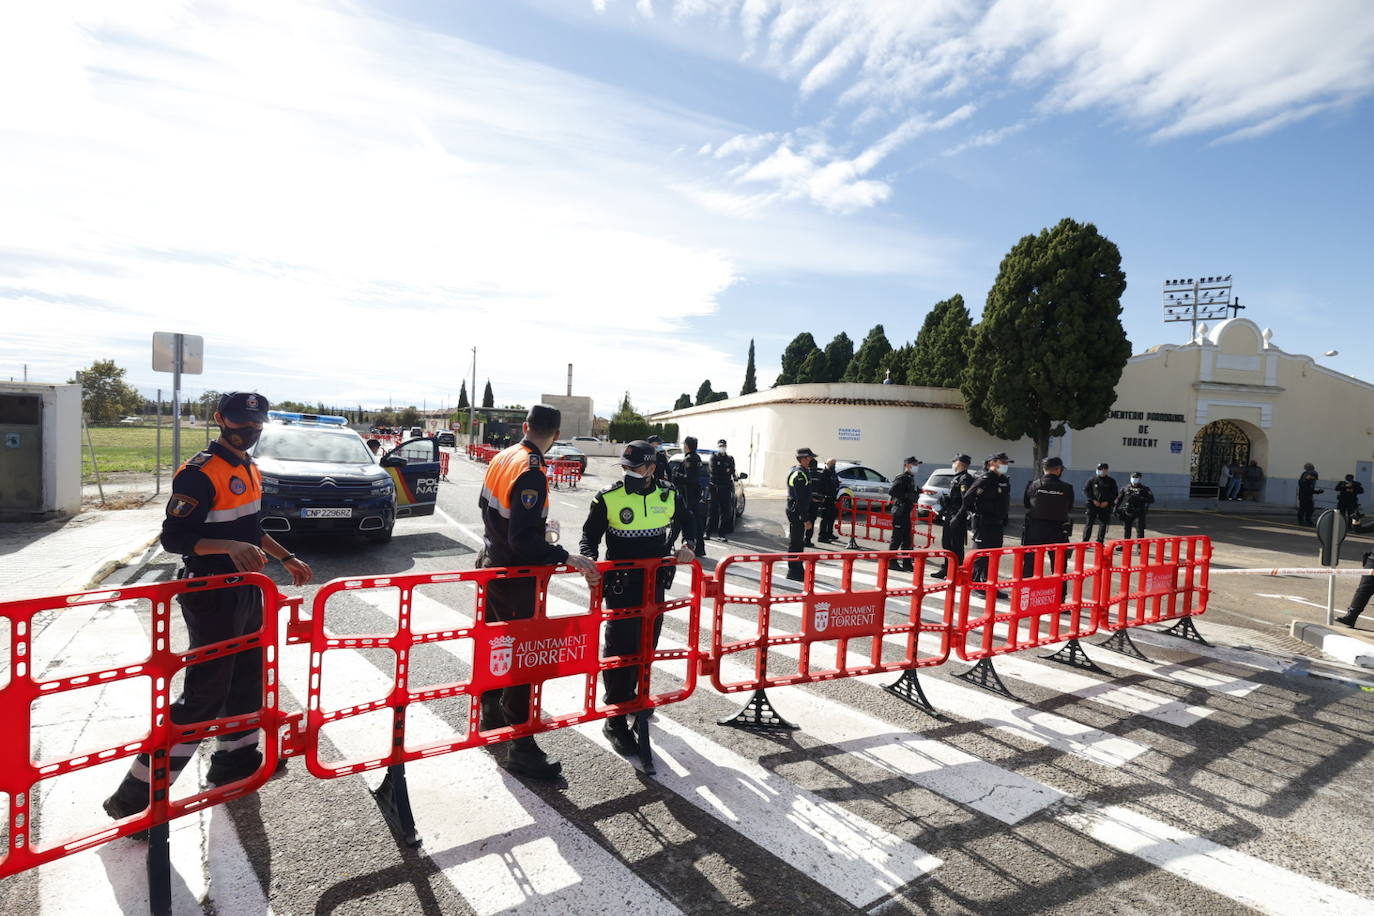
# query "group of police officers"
(213, 520)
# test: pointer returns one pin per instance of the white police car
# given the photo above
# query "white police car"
(319, 477)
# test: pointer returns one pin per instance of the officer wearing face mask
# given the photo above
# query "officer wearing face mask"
(720, 518)
(1100, 492)
(213, 522)
(988, 501)
(660, 458)
(690, 479)
(800, 509)
(954, 534)
(903, 493)
(639, 518)
(1131, 505)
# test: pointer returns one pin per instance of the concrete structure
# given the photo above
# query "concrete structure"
(1180, 411)
(40, 450)
(578, 414)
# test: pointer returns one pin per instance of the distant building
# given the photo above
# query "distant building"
(578, 415)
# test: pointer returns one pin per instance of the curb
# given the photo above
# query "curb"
(1348, 649)
(121, 558)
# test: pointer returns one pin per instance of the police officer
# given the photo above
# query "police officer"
(825, 491)
(903, 494)
(212, 520)
(690, 480)
(799, 508)
(988, 501)
(1132, 504)
(639, 518)
(1348, 496)
(660, 459)
(720, 518)
(1048, 501)
(1100, 492)
(1307, 488)
(514, 503)
(954, 533)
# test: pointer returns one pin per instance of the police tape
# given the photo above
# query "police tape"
(1293, 571)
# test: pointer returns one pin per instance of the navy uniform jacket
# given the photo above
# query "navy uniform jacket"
(215, 495)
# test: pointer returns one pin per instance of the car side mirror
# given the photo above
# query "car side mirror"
(742, 476)
(393, 461)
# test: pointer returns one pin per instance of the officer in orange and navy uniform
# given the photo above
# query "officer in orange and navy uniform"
(515, 506)
(212, 520)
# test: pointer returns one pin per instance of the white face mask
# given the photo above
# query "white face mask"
(1135, 480)
(1102, 473)
(635, 474)
(1001, 468)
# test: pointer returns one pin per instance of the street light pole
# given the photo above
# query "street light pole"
(472, 402)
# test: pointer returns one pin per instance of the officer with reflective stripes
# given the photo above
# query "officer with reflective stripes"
(639, 517)
(1048, 501)
(800, 509)
(212, 520)
(515, 507)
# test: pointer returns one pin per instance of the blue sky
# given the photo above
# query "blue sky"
(343, 198)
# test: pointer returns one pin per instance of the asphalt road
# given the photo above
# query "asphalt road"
(1204, 780)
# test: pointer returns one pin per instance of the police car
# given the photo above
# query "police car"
(319, 477)
(675, 458)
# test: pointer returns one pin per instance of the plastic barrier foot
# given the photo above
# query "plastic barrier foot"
(908, 688)
(853, 543)
(646, 753)
(393, 798)
(1120, 641)
(758, 715)
(1184, 629)
(159, 870)
(985, 676)
(1073, 655)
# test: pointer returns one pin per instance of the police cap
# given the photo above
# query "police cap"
(638, 452)
(545, 418)
(652, 440)
(720, 442)
(912, 460)
(243, 407)
(1051, 464)
(805, 453)
(1102, 465)
(964, 458)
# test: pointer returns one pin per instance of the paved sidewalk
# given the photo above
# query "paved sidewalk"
(70, 555)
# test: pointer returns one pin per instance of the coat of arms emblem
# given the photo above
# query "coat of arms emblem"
(502, 653)
(822, 616)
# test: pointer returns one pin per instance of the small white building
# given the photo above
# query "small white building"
(40, 450)
(1181, 411)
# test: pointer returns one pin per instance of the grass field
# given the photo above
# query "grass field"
(134, 448)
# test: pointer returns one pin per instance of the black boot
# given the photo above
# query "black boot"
(231, 766)
(491, 715)
(129, 799)
(1348, 618)
(525, 758)
(623, 741)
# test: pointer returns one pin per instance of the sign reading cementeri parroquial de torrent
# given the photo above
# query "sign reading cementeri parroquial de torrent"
(1142, 438)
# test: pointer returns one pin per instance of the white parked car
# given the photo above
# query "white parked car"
(861, 480)
(131, 421)
(936, 488)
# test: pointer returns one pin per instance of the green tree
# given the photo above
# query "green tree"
(814, 369)
(463, 397)
(838, 353)
(1050, 348)
(105, 396)
(867, 364)
(704, 393)
(802, 346)
(894, 365)
(487, 399)
(409, 417)
(751, 384)
(941, 351)
(683, 401)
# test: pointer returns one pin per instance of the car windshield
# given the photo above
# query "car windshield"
(296, 444)
(940, 479)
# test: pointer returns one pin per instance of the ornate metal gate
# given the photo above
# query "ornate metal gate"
(1217, 443)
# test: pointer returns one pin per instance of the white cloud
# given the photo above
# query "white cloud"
(347, 204)
(1240, 67)
(987, 138)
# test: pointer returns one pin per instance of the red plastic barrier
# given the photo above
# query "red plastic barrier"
(564, 473)
(22, 773)
(1150, 580)
(483, 453)
(861, 518)
(444, 458)
(532, 651)
(860, 598)
(1053, 594)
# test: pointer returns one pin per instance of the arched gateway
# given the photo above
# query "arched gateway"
(1219, 442)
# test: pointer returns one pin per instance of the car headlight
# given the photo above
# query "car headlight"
(270, 485)
(382, 488)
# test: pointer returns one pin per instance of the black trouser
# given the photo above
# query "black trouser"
(1305, 507)
(1040, 531)
(953, 538)
(986, 534)
(901, 527)
(796, 535)
(1134, 521)
(508, 599)
(1100, 516)
(828, 511)
(698, 506)
(626, 590)
(720, 517)
(228, 684)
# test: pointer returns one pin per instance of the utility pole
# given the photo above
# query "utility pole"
(472, 402)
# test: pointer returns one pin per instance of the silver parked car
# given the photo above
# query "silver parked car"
(861, 480)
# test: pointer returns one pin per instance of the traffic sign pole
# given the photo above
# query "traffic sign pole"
(1332, 528)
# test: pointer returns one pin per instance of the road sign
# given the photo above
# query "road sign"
(1331, 531)
(165, 353)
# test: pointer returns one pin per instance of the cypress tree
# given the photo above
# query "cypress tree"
(792, 358)
(750, 383)
(867, 364)
(941, 351)
(838, 353)
(487, 399)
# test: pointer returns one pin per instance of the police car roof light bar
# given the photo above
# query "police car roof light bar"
(289, 416)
